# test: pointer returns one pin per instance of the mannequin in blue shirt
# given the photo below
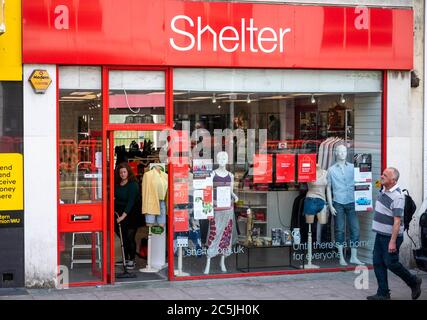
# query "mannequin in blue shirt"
(340, 195)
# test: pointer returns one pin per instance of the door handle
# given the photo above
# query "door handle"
(81, 217)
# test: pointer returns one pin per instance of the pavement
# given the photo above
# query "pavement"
(313, 286)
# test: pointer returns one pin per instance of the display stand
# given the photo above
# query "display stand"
(309, 265)
(158, 250)
(149, 268)
(179, 272)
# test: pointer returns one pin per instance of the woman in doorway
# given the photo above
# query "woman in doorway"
(126, 193)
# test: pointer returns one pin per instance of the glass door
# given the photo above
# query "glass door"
(81, 247)
(141, 238)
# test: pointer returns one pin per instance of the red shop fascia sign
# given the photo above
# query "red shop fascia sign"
(216, 34)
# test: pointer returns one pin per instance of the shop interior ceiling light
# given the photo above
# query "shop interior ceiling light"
(231, 94)
(248, 99)
(312, 99)
(200, 98)
(69, 100)
(82, 93)
(185, 100)
(275, 97)
(214, 98)
(342, 98)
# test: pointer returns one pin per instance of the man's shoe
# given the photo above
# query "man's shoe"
(416, 290)
(378, 297)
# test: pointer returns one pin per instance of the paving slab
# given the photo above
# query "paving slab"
(321, 286)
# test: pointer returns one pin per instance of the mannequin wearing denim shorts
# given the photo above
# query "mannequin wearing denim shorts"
(315, 201)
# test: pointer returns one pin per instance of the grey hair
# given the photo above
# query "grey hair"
(396, 173)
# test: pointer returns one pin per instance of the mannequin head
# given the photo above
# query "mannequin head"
(341, 153)
(222, 158)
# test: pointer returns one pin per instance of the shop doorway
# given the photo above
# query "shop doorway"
(138, 246)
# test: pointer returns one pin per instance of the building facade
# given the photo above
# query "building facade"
(274, 87)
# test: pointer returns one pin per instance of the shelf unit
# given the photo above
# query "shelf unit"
(257, 201)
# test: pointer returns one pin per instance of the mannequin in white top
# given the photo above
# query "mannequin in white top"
(315, 204)
(340, 191)
(223, 217)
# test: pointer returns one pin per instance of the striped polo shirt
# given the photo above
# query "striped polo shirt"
(390, 204)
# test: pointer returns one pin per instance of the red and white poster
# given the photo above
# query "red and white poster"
(263, 168)
(181, 193)
(180, 220)
(285, 168)
(306, 167)
(208, 194)
(180, 169)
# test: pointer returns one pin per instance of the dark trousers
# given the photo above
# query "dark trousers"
(383, 261)
(129, 243)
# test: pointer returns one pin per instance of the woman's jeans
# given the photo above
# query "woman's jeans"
(384, 260)
(346, 211)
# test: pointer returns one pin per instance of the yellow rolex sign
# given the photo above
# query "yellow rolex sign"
(40, 81)
(11, 182)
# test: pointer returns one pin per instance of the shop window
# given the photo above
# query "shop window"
(250, 186)
(137, 97)
(80, 135)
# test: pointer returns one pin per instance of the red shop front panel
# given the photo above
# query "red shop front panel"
(189, 33)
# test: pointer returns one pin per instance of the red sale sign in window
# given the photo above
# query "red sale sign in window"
(263, 168)
(180, 218)
(180, 168)
(306, 167)
(285, 168)
(181, 193)
(208, 194)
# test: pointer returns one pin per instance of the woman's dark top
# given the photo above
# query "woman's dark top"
(125, 198)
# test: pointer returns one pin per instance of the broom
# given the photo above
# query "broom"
(125, 273)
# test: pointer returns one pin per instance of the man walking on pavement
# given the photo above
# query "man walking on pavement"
(388, 225)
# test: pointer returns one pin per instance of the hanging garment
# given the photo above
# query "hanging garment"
(297, 209)
(325, 153)
(151, 183)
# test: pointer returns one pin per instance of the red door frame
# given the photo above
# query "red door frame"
(108, 132)
(61, 207)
